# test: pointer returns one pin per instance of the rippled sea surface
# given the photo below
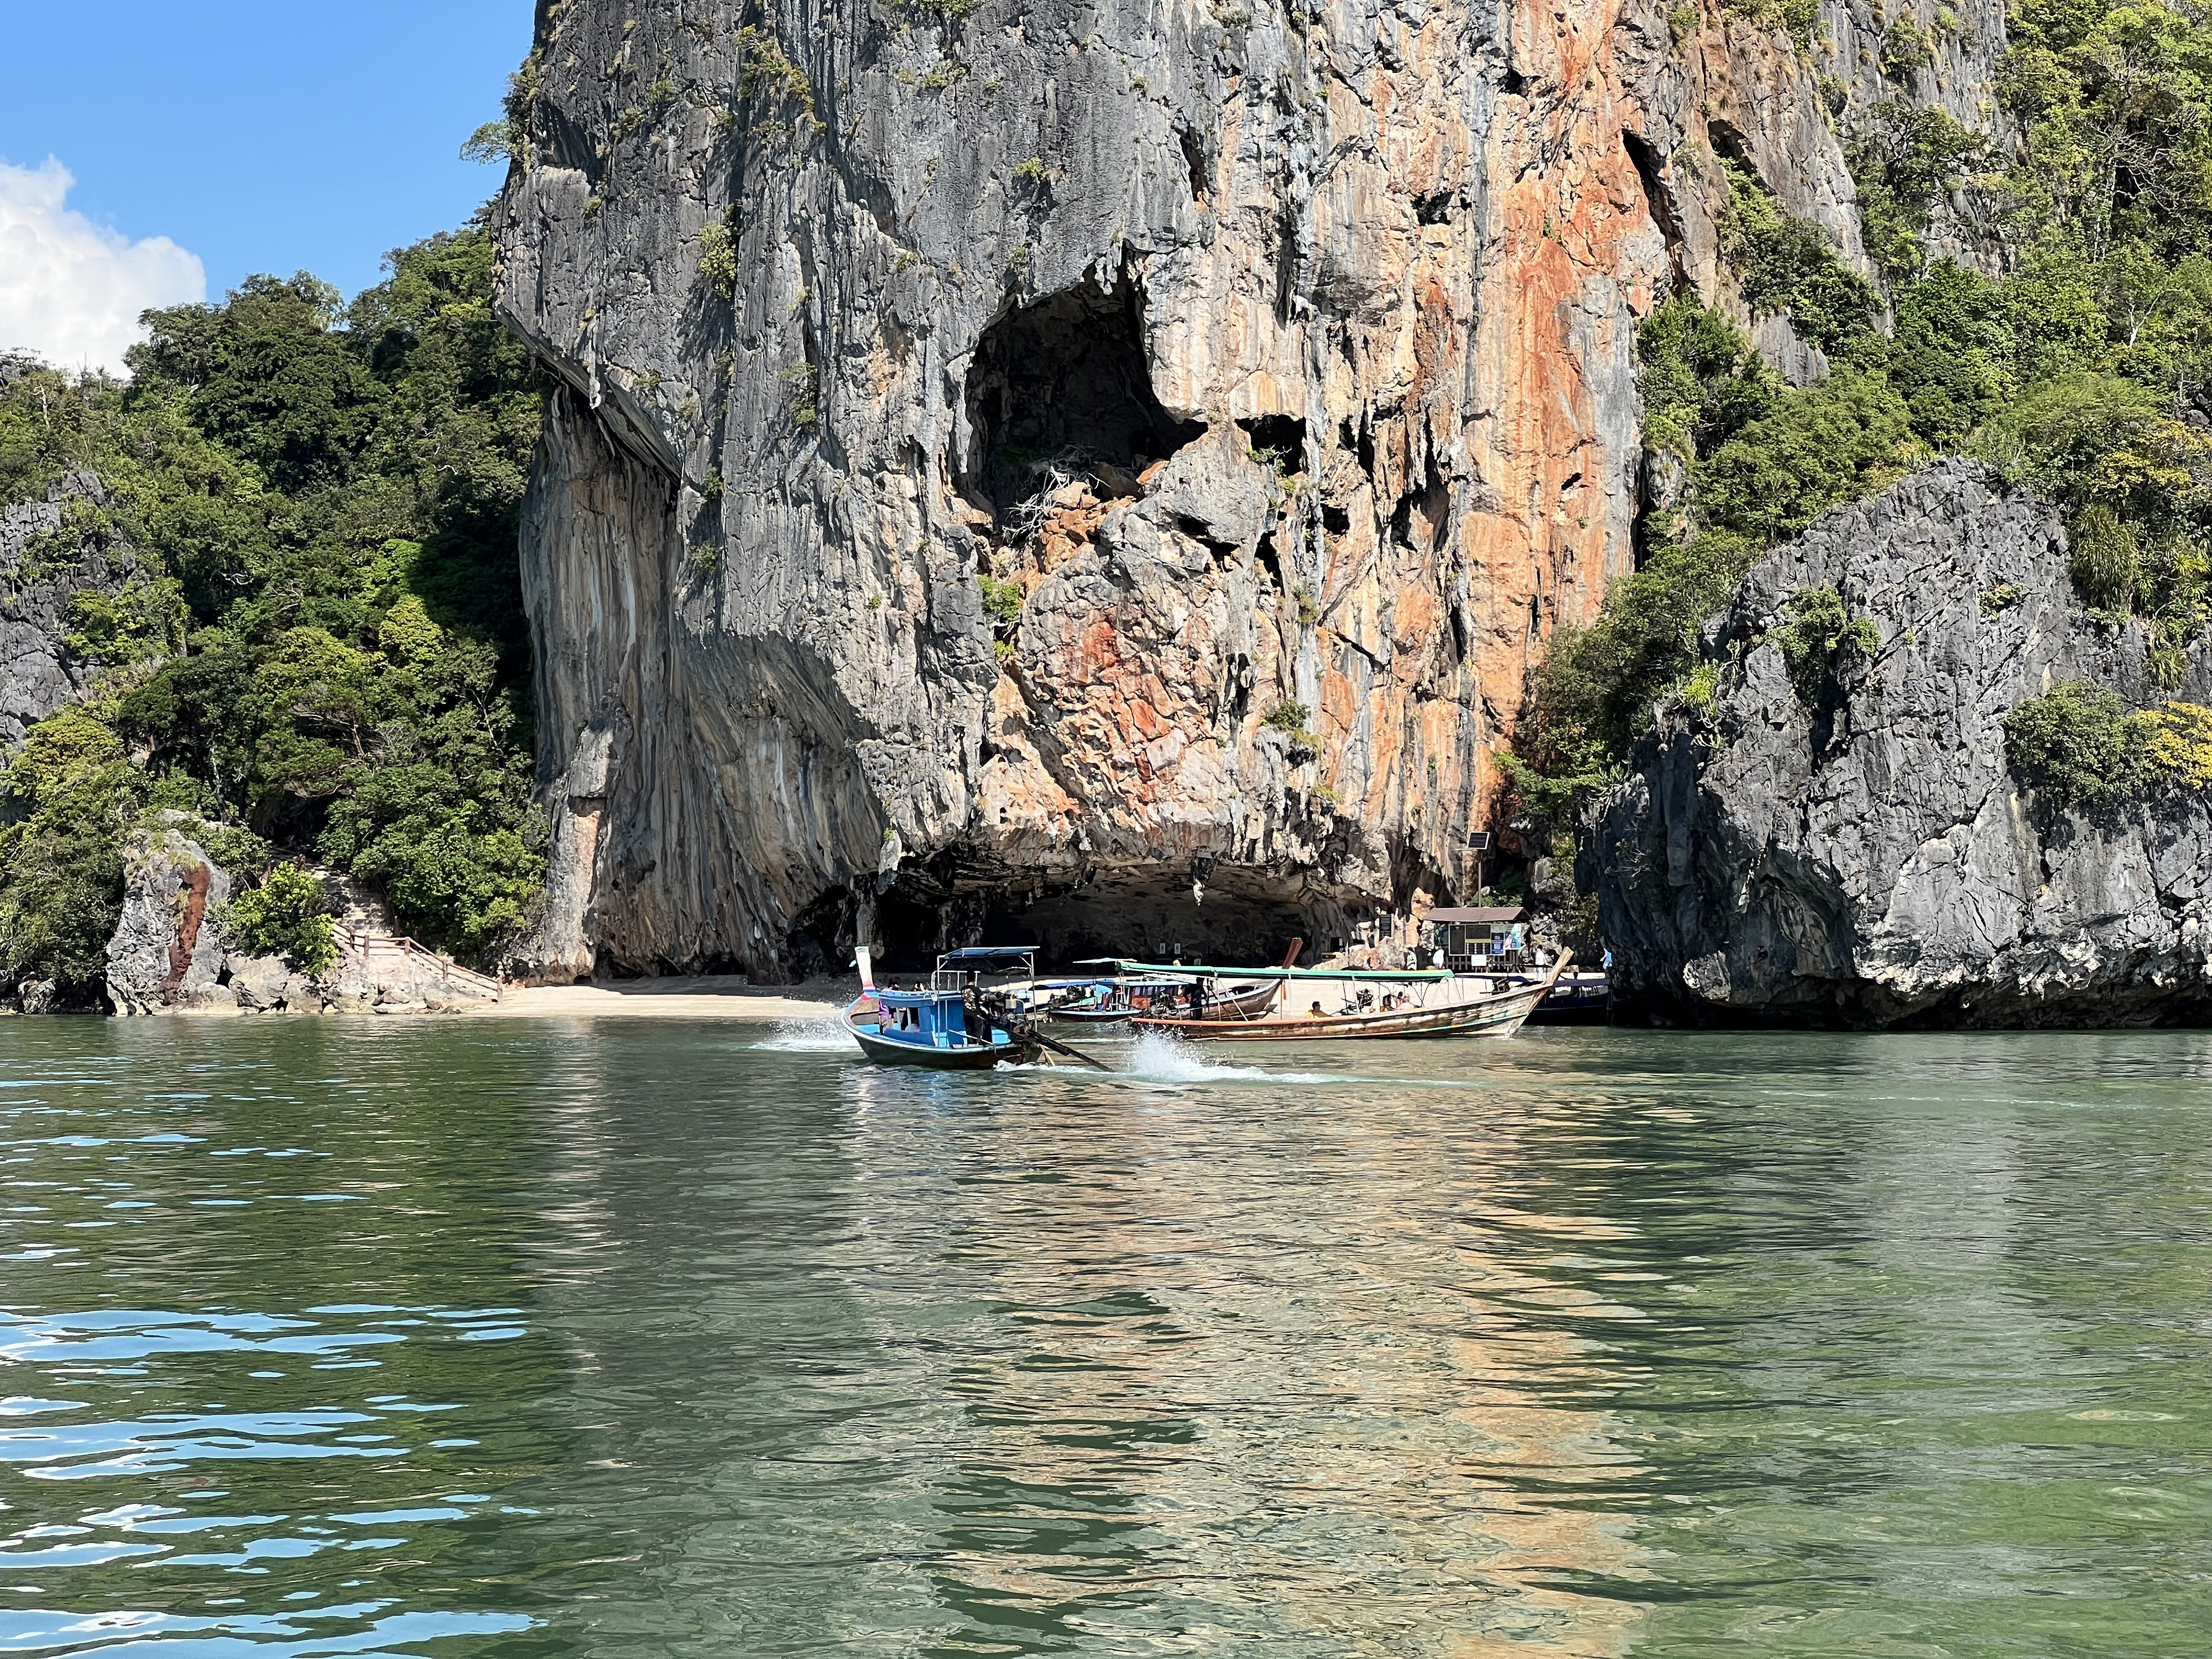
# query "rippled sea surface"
(641, 1337)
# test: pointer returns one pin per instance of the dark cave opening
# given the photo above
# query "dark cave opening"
(908, 931)
(1239, 916)
(1283, 436)
(1729, 143)
(1658, 200)
(1426, 512)
(1272, 561)
(1196, 160)
(1063, 385)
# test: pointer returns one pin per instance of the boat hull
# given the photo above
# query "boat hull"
(1572, 1013)
(1500, 1014)
(968, 1057)
(1577, 999)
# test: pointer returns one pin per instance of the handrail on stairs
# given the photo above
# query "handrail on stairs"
(367, 941)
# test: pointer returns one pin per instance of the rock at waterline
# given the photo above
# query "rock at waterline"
(268, 985)
(1865, 855)
(167, 953)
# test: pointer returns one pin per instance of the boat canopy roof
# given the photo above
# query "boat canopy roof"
(983, 956)
(1184, 974)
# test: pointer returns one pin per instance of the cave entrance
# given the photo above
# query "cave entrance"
(909, 932)
(1060, 388)
(1149, 912)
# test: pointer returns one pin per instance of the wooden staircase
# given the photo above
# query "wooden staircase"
(375, 955)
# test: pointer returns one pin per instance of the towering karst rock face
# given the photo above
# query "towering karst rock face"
(1040, 462)
(45, 564)
(1866, 855)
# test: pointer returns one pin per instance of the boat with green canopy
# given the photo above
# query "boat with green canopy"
(1370, 1002)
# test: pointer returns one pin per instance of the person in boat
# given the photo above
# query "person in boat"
(1197, 999)
(1315, 1013)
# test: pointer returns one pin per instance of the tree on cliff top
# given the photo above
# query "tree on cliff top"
(332, 651)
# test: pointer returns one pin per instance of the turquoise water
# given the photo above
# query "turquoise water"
(644, 1337)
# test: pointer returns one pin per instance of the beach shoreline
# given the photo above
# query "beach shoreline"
(710, 996)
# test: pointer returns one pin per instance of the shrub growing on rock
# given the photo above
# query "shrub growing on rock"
(2179, 749)
(1788, 264)
(2079, 745)
(325, 641)
(1821, 639)
(2105, 565)
(285, 916)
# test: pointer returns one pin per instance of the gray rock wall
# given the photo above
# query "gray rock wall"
(1279, 359)
(1872, 860)
(167, 955)
(41, 571)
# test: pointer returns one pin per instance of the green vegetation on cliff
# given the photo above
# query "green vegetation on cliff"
(325, 651)
(285, 916)
(2079, 744)
(2084, 371)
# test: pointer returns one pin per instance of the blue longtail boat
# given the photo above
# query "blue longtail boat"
(955, 1025)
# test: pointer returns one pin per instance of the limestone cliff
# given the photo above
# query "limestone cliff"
(168, 953)
(43, 566)
(1048, 461)
(1868, 857)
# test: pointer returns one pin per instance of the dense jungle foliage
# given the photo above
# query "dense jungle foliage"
(320, 652)
(2084, 370)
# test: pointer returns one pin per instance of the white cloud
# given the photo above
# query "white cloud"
(72, 291)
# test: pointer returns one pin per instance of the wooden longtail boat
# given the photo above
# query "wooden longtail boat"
(1244, 1002)
(1156, 985)
(1438, 1005)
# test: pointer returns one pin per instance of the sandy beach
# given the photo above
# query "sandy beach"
(704, 997)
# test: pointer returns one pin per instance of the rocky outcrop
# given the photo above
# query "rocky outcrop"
(170, 954)
(1098, 470)
(271, 985)
(378, 974)
(167, 951)
(1867, 858)
(39, 996)
(44, 565)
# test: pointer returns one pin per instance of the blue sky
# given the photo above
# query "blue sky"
(255, 136)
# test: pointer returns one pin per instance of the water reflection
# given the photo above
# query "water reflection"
(1292, 1372)
(475, 1337)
